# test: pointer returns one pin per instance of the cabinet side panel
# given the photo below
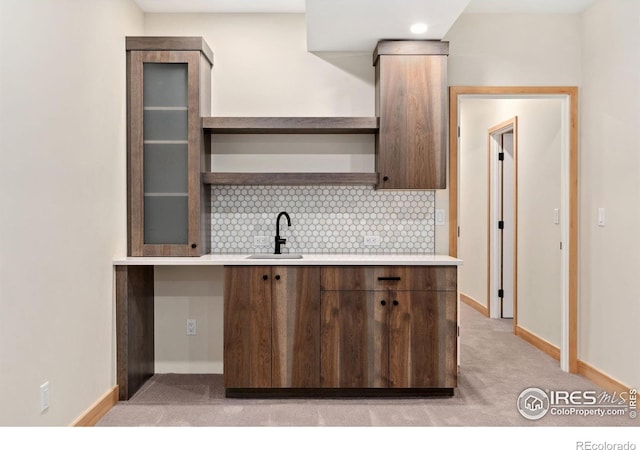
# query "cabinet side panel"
(135, 171)
(247, 327)
(426, 114)
(205, 158)
(296, 327)
(134, 327)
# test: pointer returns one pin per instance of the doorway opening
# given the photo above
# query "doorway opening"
(568, 204)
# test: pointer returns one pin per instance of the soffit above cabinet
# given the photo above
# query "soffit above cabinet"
(357, 25)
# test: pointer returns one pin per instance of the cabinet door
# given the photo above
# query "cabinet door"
(247, 327)
(165, 144)
(354, 343)
(412, 106)
(423, 339)
(295, 327)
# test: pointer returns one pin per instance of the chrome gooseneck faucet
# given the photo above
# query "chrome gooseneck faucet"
(280, 241)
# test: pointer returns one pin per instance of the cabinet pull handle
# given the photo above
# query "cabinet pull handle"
(383, 302)
(265, 277)
(389, 278)
(277, 277)
(395, 303)
(385, 178)
(194, 245)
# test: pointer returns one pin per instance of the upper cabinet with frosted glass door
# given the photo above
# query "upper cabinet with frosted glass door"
(168, 91)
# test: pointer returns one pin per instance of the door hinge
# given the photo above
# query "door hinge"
(458, 231)
(458, 131)
(501, 293)
(501, 156)
(501, 224)
(458, 330)
(560, 245)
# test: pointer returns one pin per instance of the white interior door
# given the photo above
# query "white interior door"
(508, 231)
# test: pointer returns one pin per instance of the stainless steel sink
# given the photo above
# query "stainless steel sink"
(273, 256)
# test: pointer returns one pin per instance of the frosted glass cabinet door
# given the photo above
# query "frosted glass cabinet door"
(168, 93)
(165, 84)
(165, 158)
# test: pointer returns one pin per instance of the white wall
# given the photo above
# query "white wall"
(539, 121)
(510, 50)
(610, 178)
(62, 197)
(514, 50)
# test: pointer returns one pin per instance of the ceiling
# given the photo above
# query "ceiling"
(356, 25)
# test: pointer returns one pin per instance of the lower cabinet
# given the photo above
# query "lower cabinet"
(377, 339)
(340, 327)
(271, 327)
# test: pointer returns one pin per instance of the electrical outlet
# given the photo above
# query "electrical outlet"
(191, 327)
(262, 241)
(44, 397)
(372, 241)
(439, 216)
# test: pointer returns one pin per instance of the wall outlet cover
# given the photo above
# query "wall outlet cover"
(372, 240)
(191, 327)
(262, 241)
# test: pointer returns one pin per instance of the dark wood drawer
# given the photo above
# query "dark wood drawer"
(382, 278)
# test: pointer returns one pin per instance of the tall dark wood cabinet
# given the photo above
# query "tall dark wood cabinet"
(411, 103)
(168, 92)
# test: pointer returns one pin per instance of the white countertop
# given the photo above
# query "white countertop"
(335, 259)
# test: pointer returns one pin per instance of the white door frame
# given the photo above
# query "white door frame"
(569, 197)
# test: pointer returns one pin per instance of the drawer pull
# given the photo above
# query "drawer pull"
(265, 277)
(383, 302)
(395, 303)
(388, 278)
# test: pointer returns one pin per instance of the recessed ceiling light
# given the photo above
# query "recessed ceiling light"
(418, 28)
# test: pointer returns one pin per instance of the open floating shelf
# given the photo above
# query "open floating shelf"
(290, 178)
(290, 125)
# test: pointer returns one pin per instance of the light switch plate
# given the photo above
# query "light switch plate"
(439, 216)
(601, 220)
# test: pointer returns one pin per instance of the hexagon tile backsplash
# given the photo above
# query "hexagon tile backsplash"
(324, 219)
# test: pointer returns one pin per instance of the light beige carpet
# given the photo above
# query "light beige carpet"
(496, 367)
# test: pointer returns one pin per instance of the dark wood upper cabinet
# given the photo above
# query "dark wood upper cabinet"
(168, 91)
(411, 103)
